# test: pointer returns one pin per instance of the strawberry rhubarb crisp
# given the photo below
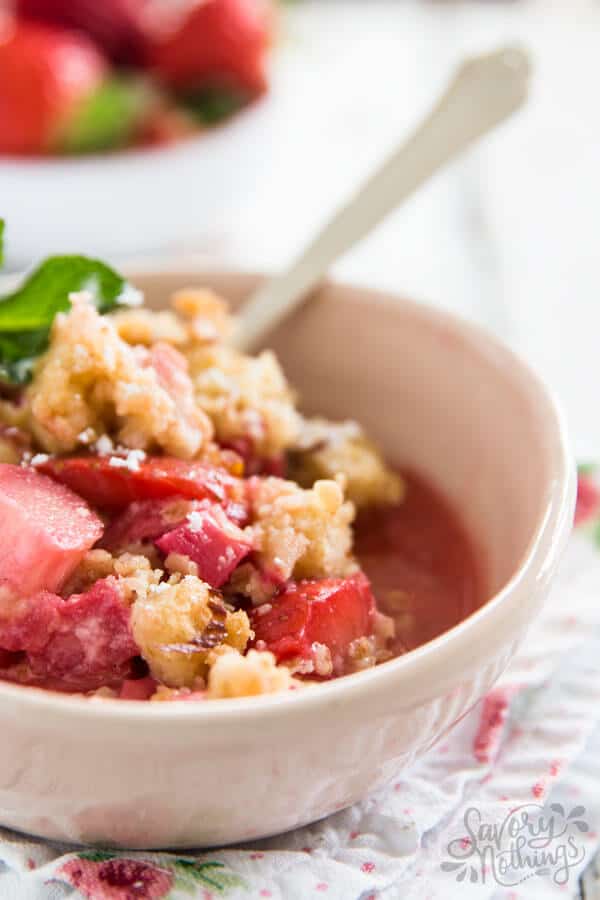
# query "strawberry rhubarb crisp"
(172, 526)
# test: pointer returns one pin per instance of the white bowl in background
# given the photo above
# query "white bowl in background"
(440, 396)
(135, 201)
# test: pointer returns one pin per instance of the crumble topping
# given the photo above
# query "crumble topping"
(233, 675)
(245, 397)
(138, 383)
(91, 379)
(301, 533)
(177, 629)
(327, 449)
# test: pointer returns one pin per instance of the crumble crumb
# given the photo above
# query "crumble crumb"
(178, 629)
(323, 664)
(233, 675)
(91, 378)
(104, 445)
(301, 533)
(246, 397)
(327, 449)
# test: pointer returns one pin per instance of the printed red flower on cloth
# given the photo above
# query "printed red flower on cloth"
(98, 875)
(117, 878)
(588, 497)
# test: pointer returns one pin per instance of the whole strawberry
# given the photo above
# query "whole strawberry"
(218, 43)
(57, 93)
(116, 26)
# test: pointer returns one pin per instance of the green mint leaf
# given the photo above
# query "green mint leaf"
(27, 314)
(212, 104)
(109, 118)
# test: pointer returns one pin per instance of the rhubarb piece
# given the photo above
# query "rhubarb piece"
(27, 623)
(210, 540)
(46, 74)
(82, 643)
(46, 530)
(111, 482)
(330, 612)
(90, 643)
(146, 520)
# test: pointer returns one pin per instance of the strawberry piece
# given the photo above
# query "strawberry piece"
(330, 611)
(210, 540)
(219, 43)
(45, 76)
(117, 26)
(113, 487)
(46, 530)
(147, 520)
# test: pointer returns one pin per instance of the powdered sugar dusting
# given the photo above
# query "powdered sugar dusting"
(195, 521)
(131, 461)
(86, 436)
(104, 445)
(131, 296)
(39, 459)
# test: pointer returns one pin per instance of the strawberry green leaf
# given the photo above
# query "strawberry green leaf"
(213, 104)
(109, 118)
(27, 314)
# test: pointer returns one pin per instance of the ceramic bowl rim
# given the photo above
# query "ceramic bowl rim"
(545, 545)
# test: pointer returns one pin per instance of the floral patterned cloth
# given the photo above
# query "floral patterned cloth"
(535, 740)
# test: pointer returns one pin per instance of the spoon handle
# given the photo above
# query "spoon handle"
(484, 91)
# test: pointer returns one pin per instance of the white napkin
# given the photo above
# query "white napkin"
(533, 742)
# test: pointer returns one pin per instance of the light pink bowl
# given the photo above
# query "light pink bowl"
(440, 396)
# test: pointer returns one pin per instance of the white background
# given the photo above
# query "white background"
(509, 236)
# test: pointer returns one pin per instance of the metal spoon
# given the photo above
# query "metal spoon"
(484, 91)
